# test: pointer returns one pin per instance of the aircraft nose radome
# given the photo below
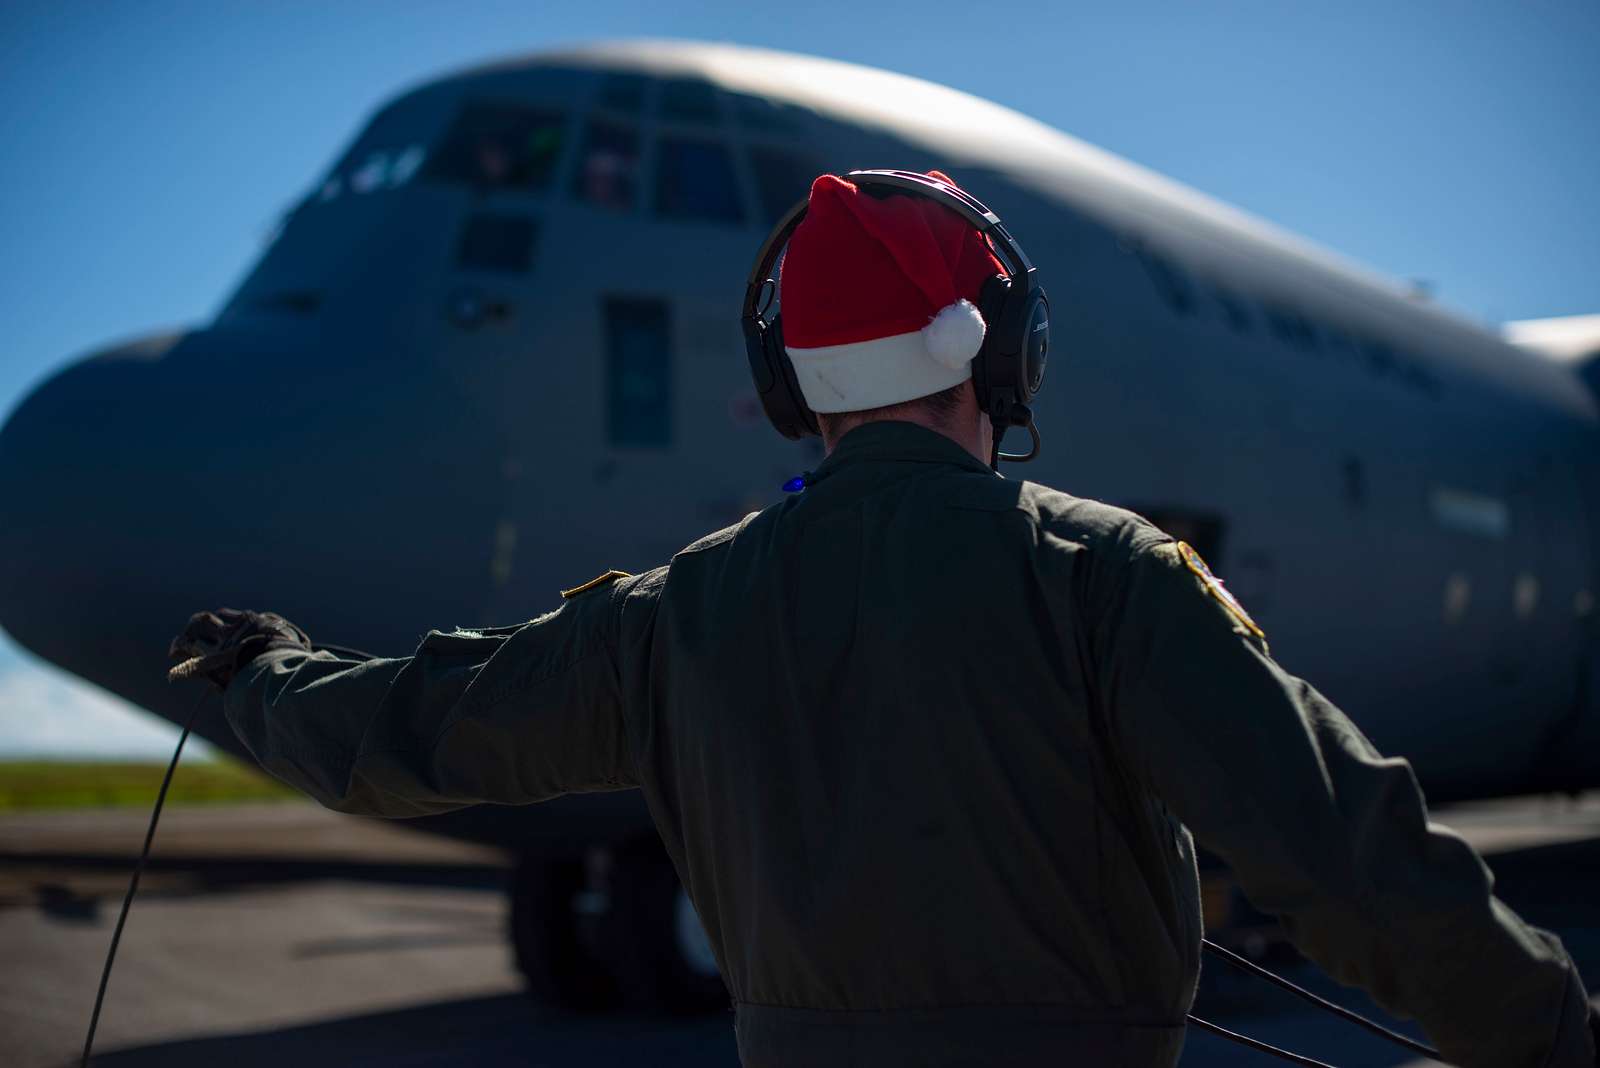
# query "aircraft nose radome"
(141, 485)
(40, 445)
(78, 508)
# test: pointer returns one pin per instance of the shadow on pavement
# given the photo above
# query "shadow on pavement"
(492, 1032)
(217, 874)
(1554, 886)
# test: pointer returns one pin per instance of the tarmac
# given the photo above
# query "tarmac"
(272, 934)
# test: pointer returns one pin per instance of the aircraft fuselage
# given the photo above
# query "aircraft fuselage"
(496, 351)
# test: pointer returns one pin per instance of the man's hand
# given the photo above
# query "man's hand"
(218, 644)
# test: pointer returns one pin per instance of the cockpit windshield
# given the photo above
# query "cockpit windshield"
(695, 180)
(608, 168)
(500, 146)
(677, 149)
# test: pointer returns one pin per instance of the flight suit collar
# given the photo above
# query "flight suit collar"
(896, 442)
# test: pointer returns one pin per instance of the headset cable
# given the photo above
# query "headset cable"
(133, 883)
(149, 836)
(1251, 968)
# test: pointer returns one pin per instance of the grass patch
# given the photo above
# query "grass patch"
(30, 784)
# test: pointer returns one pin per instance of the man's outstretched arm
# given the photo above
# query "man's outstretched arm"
(1321, 829)
(508, 716)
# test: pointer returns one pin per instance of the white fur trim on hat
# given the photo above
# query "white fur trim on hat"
(956, 334)
(870, 374)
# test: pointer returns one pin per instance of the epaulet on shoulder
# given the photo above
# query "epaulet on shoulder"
(715, 538)
(595, 583)
(621, 584)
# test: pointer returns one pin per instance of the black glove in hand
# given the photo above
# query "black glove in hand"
(218, 644)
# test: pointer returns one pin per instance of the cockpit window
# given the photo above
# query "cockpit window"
(385, 156)
(683, 100)
(608, 169)
(623, 92)
(782, 178)
(695, 180)
(500, 146)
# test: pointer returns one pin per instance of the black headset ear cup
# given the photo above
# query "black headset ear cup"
(1035, 345)
(762, 372)
(992, 306)
(779, 388)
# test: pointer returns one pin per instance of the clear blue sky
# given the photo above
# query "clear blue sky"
(147, 148)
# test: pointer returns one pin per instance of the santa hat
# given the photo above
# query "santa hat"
(880, 297)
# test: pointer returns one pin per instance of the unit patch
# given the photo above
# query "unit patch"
(1217, 590)
(598, 580)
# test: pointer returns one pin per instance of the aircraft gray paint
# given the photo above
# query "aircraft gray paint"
(495, 351)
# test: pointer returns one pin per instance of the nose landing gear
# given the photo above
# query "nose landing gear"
(613, 930)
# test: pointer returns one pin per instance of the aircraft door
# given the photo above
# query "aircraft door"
(1548, 645)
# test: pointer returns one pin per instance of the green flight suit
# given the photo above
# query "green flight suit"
(918, 741)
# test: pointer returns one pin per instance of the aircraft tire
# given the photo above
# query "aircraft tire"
(545, 940)
(660, 958)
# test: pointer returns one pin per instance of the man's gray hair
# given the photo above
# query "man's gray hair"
(940, 406)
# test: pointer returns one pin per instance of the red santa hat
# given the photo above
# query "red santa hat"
(880, 297)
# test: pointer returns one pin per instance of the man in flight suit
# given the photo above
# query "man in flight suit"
(925, 744)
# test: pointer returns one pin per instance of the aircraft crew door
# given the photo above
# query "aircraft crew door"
(1549, 645)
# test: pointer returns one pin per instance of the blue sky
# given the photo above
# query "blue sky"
(149, 147)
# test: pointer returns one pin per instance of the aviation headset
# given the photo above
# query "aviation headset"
(1009, 368)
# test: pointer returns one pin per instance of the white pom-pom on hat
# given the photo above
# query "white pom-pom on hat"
(955, 334)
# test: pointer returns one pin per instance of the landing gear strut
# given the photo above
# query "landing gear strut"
(612, 930)
(544, 938)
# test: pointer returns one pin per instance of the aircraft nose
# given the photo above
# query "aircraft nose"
(141, 485)
(77, 507)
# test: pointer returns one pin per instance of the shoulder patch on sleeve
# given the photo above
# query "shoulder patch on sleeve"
(598, 580)
(1215, 587)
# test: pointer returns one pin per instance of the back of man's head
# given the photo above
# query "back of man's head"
(952, 412)
(880, 315)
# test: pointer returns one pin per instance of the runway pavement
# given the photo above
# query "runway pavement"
(277, 934)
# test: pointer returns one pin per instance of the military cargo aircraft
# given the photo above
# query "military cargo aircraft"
(495, 351)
